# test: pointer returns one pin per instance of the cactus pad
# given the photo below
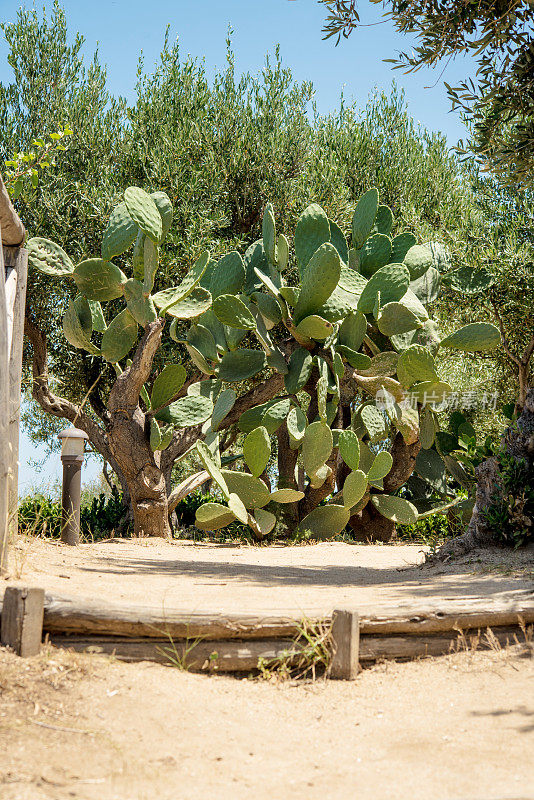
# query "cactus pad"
(325, 522)
(395, 318)
(141, 308)
(269, 234)
(392, 281)
(364, 217)
(315, 327)
(223, 405)
(337, 238)
(195, 304)
(228, 276)
(99, 280)
(312, 231)
(49, 258)
(286, 496)
(168, 383)
(119, 337)
(416, 363)
(164, 206)
(354, 488)
(478, 336)
(187, 411)
(144, 211)
(320, 279)
(395, 508)
(375, 254)
(231, 311)
(120, 233)
(257, 450)
(241, 365)
(316, 447)
(251, 490)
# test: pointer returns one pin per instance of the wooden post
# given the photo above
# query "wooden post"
(22, 620)
(4, 420)
(17, 259)
(346, 637)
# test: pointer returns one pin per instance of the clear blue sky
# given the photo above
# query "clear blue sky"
(123, 28)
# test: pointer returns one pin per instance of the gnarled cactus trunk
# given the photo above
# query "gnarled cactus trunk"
(369, 525)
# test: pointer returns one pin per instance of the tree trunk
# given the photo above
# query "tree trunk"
(141, 468)
(370, 526)
(129, 441)
(517, 441)
(288, 513)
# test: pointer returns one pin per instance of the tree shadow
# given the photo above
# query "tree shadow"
(521, 711)
(414, 581)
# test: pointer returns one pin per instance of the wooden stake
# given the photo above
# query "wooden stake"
(346, 637)
(22, 620)
(17, 259)
(5, 455)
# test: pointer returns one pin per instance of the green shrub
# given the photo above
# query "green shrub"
(104, 516)
(430, 530)
(40, 516)
(511, 510)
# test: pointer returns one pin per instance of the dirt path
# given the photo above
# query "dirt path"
(316, 578)
(456, 728)
(89, 727)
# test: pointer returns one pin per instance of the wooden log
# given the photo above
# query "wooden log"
(214, 656)
(80, 615)
(22, 620)
(234, 655)
(418, 622)
(5, 459)
(375, 648)
(346, 637)
(64, 615)
(17, 259)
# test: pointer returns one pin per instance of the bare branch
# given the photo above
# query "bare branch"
(182, 439)
(124, 395)
(190, 484)
(505, 343)
(527, 355)
(52, 403)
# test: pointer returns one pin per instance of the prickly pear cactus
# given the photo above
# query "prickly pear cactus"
(357, 351)
(344, 358)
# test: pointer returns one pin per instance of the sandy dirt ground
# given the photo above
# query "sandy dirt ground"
(460, 727)
(305, 579)
(456, 728)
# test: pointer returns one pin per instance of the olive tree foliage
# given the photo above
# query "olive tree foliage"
(220, 148)
(498, 100)
(344, 358)
(497, 106)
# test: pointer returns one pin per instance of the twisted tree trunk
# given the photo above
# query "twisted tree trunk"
(368, 525)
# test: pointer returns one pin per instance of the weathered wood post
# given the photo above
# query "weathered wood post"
(4, 417)
(346, 638)
(13, 277)
(22, 620)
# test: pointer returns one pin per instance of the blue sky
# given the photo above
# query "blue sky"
(123, 28)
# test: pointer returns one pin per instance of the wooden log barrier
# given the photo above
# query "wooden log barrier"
(236, 642)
